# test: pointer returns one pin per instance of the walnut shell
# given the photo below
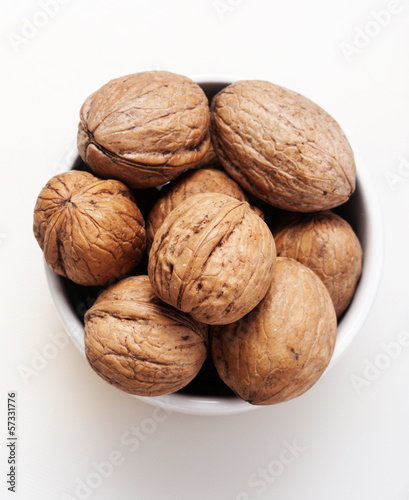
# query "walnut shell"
(282, 147)
(139, 344)
(281, 348)
(327, 244)
(144, 129)
(206, 180)
(212, 257)
(210, 159)
(90, 230)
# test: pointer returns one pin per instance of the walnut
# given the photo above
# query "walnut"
(145, 129)
(212, 257)
(210, 159)
(281, 348)
(327, 244)
(282, 147)
(90, 230)
(139, 344)
(206, 180)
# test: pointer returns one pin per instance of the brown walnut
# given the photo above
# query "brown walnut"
(141, 345)
(90, 230)
(145, 129)
(209, 160)
(327, 244)
(281, 348)
(282, 147)
(206, 180)
(212, 257)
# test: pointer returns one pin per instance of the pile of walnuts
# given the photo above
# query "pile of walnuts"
(246, 262)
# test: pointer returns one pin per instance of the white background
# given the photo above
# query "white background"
(352, 443)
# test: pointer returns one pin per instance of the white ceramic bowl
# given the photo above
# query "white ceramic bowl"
(363, 213)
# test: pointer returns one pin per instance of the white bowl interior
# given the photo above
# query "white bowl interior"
(362, 211)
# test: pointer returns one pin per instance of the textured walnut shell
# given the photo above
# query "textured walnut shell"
(210, 159)
(213, 258)
(139, 344)
(327, 244)
(281, 348)
(144, 129)
(90, 230)
(206, 180)
(282, 147)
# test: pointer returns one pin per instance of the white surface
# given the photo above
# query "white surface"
(350, 442)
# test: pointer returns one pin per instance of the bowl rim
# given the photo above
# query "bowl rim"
(348, 328)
